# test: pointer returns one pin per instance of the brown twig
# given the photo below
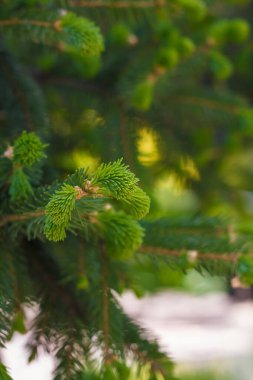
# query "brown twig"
(194, 100)
(5, 219)
(233, 257)
(17, 21)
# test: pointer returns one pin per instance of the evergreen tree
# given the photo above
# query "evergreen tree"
(84, 83)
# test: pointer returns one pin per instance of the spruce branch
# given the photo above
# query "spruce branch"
(82, 33)
(78, 32)
(212, 104)
(20, 188)
(62, 203)
(28, 149)
(59, 210)
(115, 179)
(212, 256)
(122, 234)
(5, 219)
(18, 21)
(137, 203)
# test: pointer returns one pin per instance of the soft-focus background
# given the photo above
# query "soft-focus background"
(207, 333)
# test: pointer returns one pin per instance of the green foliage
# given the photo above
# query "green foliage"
(3, 373)
(82, 33)
(142, 95)
(196, 8)
(119, 370)
(235, 31)
(28, 149)
(119, 34)
(137, 203)
(245, 269)
(122, 234)
(185, 46)
(186, 243)
(18, 324)
(115, 179)
(54, 232)
(22, 93)
(7, 298)
(20, 187)
(58, 212)
(167, 57)
(220, 66)
(61, 204)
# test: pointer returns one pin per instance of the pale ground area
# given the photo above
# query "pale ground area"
(194, 330)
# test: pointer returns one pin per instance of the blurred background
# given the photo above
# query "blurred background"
(206, 332)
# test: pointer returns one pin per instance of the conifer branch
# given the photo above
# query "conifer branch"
(10, 218)
(233, 257)
(17, 21)
(216, 105)
(5, 219)
(118, 4)
(106, 316)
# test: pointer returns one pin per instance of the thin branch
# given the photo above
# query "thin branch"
(194, 100)
(106, 330)
(17, 21)
(5, 219)
(233, 257)
(118, 4)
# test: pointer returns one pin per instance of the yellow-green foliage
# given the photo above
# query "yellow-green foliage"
(61, 204)
(20, 187)
(28, 149)
(54, 232)
(234, 31)
(245, 269)
(142, 95)
(82, 33)
(137, 203)
(58, 212)
(3, 373)
(122, 234)
(194, 8)
(167, 57)
(115, 179)
(220, 65)
(185, 46)
(119, 34)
